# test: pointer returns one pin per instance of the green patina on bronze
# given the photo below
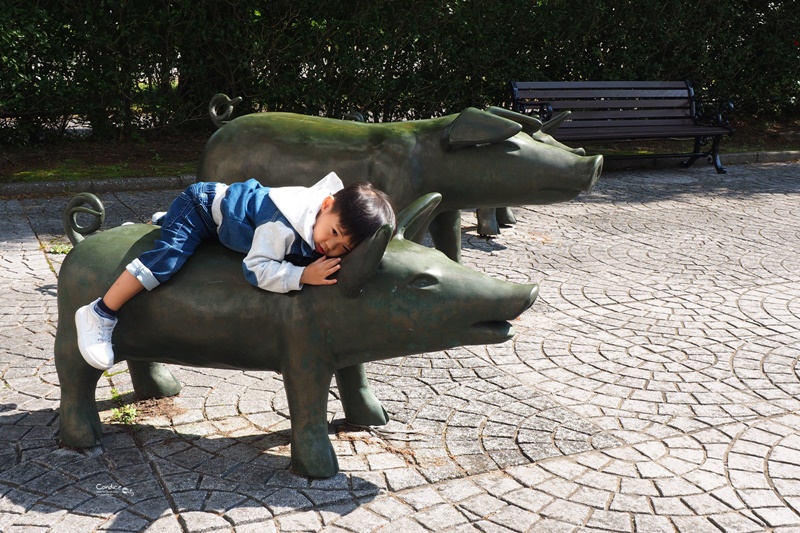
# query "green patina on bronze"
(393, 298)
(475, 159)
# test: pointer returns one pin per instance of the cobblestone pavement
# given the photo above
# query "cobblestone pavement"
(654, 386)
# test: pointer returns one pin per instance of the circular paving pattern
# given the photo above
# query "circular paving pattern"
(782, 469)
(773, 307)
(770, 368)
(654, 386)
(762, 469)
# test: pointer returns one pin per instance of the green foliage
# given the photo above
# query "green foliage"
(123, 413)
(119, 66)
(59, 249)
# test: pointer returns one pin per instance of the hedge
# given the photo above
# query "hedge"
(123, 66)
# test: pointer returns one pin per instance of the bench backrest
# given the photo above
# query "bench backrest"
(609, 104)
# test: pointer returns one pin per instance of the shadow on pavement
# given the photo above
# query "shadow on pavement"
(141, 474)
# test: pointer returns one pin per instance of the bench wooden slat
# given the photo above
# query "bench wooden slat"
(602, 93)
(631, 126)
(655, 123)
(589, 134)
(599, 84)
(628, 114)
(574, 105)
(614, 94)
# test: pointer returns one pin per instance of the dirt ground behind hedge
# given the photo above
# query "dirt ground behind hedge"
(169, 155)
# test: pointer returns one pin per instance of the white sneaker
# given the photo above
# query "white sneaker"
(156, 218)
(94, 336)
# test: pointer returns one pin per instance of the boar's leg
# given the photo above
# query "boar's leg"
(79, 421)
(487, 221)
(361, 407)
(152, 380)
(307, 387)
(445, 231)
(505, 216)
(490, 220)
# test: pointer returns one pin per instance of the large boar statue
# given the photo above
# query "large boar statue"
(490, 218)
(475, 159)
(393, 298)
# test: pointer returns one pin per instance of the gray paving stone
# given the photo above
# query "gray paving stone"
(199, 521)
(439, 517)
(252, 517)
(361, 519)
(125, 521)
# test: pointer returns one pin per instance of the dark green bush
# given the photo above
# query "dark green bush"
(119, 66)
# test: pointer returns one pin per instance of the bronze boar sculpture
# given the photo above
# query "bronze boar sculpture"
(393, 298)
(475, 159)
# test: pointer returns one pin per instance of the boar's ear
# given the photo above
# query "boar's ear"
(473, 126)
(530, 125)
(552, 125)
(360, 264)
(414, 217)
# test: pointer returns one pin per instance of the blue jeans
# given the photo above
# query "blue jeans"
(187, 223)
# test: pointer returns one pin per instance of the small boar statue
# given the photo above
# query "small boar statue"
(393, 298)
(475, 159)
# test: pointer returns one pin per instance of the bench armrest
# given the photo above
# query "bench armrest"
(544, 111)
(712, 112)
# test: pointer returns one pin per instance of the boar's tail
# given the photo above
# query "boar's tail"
(220, 108)
(77, 206)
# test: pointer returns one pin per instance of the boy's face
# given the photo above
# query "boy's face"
(329, 239)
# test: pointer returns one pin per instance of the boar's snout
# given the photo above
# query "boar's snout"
(531, 297)
(494, 331)
(595, 169)
(527, 302)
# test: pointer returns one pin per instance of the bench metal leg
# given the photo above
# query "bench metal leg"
(713, 157)
(713, 154)
(696, 153)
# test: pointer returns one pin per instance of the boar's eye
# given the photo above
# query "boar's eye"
(423, 281)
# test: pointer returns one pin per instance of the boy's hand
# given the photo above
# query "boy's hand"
(317, 272)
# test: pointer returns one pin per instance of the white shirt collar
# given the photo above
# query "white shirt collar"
(300, 205)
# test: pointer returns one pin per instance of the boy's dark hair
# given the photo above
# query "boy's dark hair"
(362, 210)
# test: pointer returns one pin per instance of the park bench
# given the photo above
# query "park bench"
(628, 110)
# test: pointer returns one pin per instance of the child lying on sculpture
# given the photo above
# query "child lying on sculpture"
(293, 236)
